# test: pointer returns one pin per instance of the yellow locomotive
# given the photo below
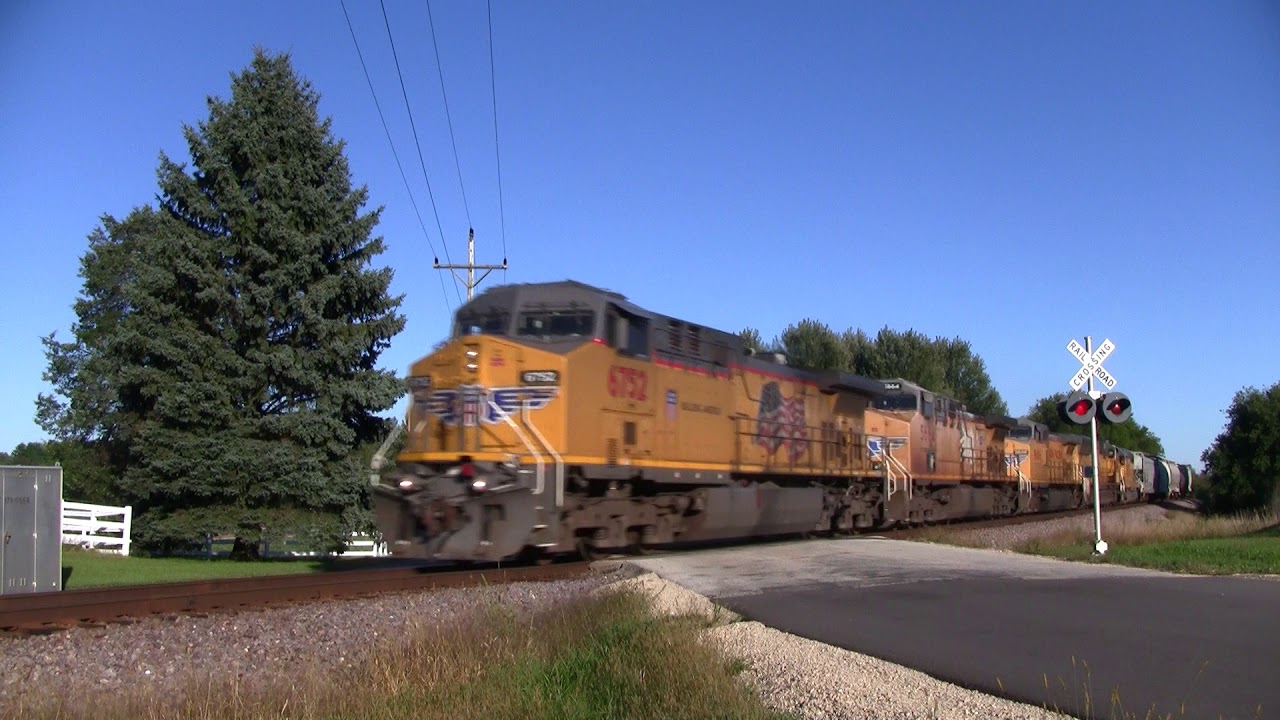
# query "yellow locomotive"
(561, 418)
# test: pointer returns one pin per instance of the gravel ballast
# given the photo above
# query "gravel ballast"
(251, 645)
(791, 673)
(1007, 537)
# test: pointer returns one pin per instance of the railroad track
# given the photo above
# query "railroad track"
(53, 611)
(915, 531)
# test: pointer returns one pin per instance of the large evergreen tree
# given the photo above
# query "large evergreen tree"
(238, 359)
(1130, 435)
(1242, 467)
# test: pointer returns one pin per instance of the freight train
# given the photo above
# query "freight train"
(560, 418)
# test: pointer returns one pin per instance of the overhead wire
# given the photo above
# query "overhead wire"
(418, 144)
(440, 71)
(395, 154)
(493, 91)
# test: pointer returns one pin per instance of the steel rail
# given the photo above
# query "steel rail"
(33, 611)
(996, 522)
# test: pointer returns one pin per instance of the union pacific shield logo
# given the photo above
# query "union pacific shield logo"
(469, 404)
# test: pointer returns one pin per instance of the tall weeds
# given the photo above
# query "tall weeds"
(1142, 529)
(594, 657)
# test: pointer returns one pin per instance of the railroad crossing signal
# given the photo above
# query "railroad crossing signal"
(1091, 364)
(1086, 408)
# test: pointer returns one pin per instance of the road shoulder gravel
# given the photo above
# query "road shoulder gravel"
(817, 681)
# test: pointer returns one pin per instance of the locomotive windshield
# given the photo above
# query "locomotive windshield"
(556, 323)
(482, 322)
(1022, 432)
(905, 401)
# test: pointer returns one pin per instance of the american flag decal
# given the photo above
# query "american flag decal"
(781, 421)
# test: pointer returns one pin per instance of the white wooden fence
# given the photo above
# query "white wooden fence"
(107, 528)
(97, 527)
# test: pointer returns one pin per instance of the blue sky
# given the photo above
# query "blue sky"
(1014, 173)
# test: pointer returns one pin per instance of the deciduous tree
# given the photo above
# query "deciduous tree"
(1242, 466)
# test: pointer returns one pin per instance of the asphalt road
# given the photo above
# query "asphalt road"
(1091, 641)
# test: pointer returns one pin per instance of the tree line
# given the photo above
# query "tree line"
(221, 372)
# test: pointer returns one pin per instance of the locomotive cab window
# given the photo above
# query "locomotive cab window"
(905, 401)
(556, 323)
(481, 322)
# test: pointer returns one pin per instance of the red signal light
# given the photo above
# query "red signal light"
(1077, 409)
(1116, 408)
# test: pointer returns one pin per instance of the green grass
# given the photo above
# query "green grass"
(89, 568)
(1175, 540)
(606, 656)
(1257, 553)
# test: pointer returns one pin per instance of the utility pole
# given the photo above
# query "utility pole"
(471, 266)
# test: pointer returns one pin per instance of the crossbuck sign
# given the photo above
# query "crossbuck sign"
(1092, 364)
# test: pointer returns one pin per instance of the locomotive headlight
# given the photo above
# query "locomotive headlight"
(407, 484)
(479, 485)
(473, 359)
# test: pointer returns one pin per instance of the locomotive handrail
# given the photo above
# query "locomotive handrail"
(524, 416)
(890, 462)
(537, 457)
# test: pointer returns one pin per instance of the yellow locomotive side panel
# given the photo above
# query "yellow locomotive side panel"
(694, 409)
(890, 432)
(1019, 465)
(1064, 466)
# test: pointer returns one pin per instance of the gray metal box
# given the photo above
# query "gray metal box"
(31, 529)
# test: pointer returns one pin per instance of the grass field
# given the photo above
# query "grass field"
(88, 568)
(1177, 541)
(606, 656)
(1256, 553)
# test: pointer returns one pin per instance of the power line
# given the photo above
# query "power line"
(418, 144)
(440, 71)
(493, 90)
(394, 154)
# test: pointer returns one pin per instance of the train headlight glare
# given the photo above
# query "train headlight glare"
(406, 484)
(479, 484)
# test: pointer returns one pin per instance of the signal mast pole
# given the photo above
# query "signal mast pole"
(1099, 547)
(471, 268)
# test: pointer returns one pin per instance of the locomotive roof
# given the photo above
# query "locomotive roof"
(907, 386)
(574, 293)
(829, 380)
(566, 292)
